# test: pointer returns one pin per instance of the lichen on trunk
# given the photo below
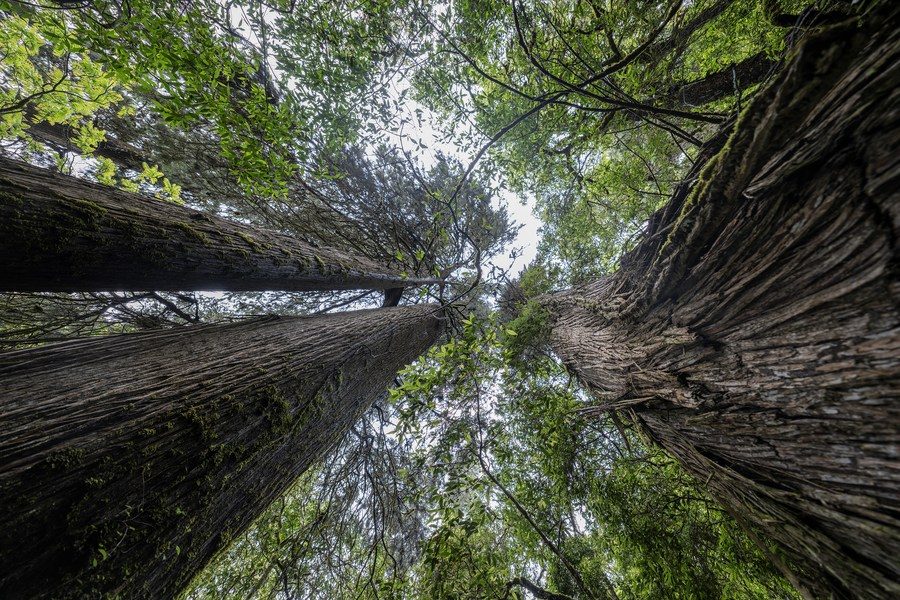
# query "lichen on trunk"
(755, 332)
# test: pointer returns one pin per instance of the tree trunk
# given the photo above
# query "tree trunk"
(59, 137)
(728, 81)
(755, 333)
(62, 234)
(128, 462)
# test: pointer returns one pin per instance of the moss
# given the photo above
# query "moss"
(257, 247)
(226, 536)
(227, 453)
(197, 235)
(156, 257)
(202, 422)
(132, 229)
(531, 329)
(66, 459)
(89, 213)
(277, 410)
(12, 183)
(13, 199)
(323, 268)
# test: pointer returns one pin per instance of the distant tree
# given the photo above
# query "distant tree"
(128, 462)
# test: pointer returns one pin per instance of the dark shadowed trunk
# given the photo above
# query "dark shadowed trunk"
(59, 233)
(728, 81)
(127, 462)
(755, 333)
(60, 138)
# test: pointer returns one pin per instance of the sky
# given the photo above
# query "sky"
(417, 132)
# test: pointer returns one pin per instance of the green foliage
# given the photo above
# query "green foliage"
(270, 84)
(528, 333)
(54, 79)
(481, 468)
(433, 228)
(582, 104)
(495, 476)
(537, 279)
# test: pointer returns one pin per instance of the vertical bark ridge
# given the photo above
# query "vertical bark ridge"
(756, 333)
(127, 462)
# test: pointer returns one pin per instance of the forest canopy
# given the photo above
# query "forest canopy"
(267, 250)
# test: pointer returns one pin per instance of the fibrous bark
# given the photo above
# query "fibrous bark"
(59, 233)
(127, 462)
(755, 333)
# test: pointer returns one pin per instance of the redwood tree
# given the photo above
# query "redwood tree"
(755, 333)
(127, 462)
(59, 233)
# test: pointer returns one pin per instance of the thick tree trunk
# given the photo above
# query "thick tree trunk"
(755, 333)
(127, 462)
(59, 233)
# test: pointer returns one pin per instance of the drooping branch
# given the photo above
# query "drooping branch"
(60, 137)
(536, 590)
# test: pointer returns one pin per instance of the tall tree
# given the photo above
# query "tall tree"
(60, 233)
(594, 108)
(754, 333)
(131, 460)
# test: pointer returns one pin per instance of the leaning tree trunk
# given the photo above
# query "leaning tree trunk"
(62, 234)
(755, 333)
(127, 462)
(60, 137)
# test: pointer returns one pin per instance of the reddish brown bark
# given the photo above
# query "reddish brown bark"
(127, 462)
(755, 333)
